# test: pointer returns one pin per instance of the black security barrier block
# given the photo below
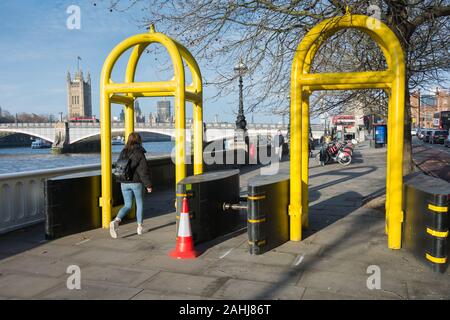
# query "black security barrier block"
(426, 223)
(206, 194)
(267, 216)
(72, 203)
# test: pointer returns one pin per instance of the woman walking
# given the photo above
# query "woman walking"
(133, 154)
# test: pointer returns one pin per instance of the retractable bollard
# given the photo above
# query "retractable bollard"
(426, 225)
(267, 218)
(65, 214)
(207, 193)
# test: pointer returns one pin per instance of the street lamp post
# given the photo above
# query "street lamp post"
(241, 123)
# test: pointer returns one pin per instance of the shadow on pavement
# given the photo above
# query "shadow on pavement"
(347, 172)
(327, 212)
(361, 228)
(28, 238)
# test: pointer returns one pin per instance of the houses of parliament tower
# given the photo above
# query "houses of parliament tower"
(79, 98)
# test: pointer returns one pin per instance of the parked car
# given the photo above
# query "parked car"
(413, 132)
(420, 133)
(438, 136)
(427, 135)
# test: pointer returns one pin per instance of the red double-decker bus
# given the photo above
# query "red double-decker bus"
(441, 120)
(84, 120)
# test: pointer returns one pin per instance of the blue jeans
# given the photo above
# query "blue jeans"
(127, 191)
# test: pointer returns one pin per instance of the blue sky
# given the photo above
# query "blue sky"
(37, 49)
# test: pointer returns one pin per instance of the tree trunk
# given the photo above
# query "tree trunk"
(408, 166)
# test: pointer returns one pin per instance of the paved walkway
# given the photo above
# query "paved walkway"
(432, 159)
(345, 238)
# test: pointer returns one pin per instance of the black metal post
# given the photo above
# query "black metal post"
(241, 123)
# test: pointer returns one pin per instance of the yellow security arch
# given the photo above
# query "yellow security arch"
(303, 83)
(127, 92)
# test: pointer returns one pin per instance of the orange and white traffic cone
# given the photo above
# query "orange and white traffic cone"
(185, 243)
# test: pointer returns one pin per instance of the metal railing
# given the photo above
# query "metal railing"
(22, 196)
(28, 125)
(141, 125)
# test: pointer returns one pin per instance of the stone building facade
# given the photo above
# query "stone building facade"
(429, 105)
(163, 111)
(79, 99)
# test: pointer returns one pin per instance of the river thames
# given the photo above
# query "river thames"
(26, 159)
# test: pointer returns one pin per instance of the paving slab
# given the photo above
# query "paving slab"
(236, 239)
(269, 258)
(252, 290)
(109, 257)
(423, 290)
(355, 284)
(165, 263)
(21, 286)
(35, 265)
(91, 290)
(315, 294)
(324, 263)
(114, 275)
(300, 248)
(254, 272)
(169, 282)
(156, 295)
(80, 238)
(415, 271)
(54, 251)
(162, 236)
(122, 244)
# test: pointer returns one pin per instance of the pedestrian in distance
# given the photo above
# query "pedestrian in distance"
(279, 143)
(133, 173)
(310, 146)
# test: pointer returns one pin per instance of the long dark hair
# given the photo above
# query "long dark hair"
(133, 139)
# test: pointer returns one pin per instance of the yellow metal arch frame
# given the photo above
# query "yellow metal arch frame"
(304, 83)
(127, 92)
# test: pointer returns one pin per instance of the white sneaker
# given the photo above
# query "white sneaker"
(113, 228)
(139, 229)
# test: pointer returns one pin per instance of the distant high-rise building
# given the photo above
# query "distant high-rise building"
(163, 114)
(79, 96)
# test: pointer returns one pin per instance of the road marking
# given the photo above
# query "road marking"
(298, 260)
(226, 253)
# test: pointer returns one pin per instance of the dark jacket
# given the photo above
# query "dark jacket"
(279, 140)
(138, 165)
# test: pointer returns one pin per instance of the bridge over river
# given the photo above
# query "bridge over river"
(85, 132)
